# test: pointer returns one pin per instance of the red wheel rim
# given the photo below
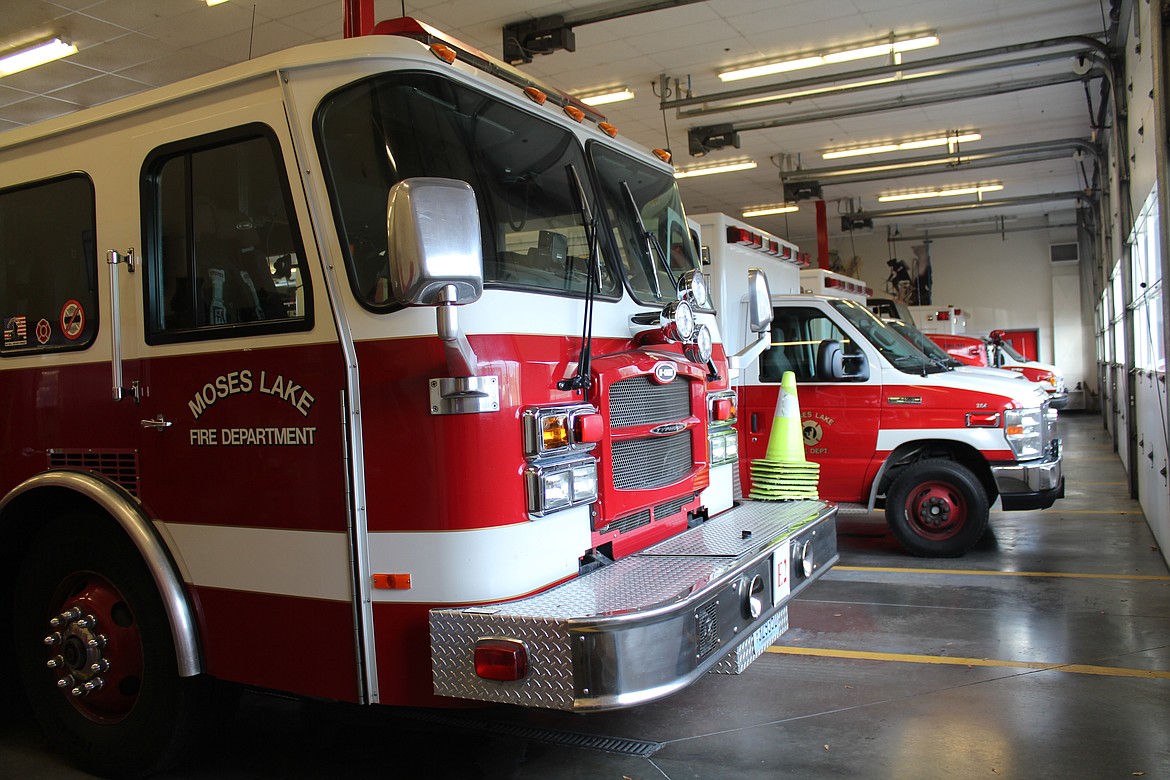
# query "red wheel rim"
(94, 648)
(936, 510)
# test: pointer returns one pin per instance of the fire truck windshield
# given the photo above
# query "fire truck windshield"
(656, 195)
(378, 131)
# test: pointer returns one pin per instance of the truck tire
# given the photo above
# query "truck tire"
(94, 652)
(937, 508)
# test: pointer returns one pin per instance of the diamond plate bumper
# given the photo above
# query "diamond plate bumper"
(709, 599)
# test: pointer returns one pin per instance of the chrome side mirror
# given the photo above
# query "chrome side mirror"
(432, 237)
(759, 301)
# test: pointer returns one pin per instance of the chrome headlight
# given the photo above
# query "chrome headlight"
(694, 284)
(1024, 429)
(700, 350)
(561, 485)
(559, 430)
(678, 321)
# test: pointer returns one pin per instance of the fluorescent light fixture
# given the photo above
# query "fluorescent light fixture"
(214, 2)
(812, 61)
(609, 96)
(973, 189)
(742, 165)
(767, 211)
(43, 52)
(949, 141)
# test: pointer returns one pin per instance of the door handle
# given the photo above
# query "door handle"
(158, 423)
(755, 422)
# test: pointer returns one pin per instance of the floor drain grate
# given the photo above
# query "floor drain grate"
(640, 748)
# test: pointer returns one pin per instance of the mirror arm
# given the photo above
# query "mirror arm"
(461, 358)
(746, 356)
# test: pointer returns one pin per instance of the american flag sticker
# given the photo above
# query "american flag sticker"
(15, 331)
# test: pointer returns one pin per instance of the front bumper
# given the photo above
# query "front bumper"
(1058, 399)
(1035, 484)
(651, 623)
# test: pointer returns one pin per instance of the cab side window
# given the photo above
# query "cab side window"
(48, 266)
(797, 333)
(223, 256)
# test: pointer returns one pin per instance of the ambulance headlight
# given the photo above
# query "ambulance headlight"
(554, 487)
(1024, 431)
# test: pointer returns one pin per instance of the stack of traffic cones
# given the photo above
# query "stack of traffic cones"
(783, 474)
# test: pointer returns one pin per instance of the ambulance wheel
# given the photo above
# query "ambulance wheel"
(937, 508)
(94, 652)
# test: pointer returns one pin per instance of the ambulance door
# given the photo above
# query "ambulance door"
(242, 409)
(839, 419)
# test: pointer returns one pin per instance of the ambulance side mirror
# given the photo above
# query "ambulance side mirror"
(433, 243)
(759, 301)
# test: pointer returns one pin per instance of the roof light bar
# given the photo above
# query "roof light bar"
(39, 54)
(950, 140)
(893, 47)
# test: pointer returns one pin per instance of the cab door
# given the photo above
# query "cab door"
(839, 419)
(240, 407)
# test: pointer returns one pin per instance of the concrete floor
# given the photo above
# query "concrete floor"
(1043, 653)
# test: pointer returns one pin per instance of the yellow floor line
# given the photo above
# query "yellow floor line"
(1109, 671)
(1070, 575)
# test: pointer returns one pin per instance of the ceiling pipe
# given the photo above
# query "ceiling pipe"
(940, 163)
(1083, 44)
(972, 232)
(914, 211)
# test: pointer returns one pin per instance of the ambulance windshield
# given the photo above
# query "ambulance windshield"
(903, 355)
(379, 131)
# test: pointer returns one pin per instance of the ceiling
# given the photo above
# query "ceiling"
(129, 45)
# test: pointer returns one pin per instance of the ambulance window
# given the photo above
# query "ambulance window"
(48, 266)
(797, 333)
(223, 253)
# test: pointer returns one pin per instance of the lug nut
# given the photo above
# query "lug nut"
(56, 662)
(53, 638)
(65, 681)
(101, 666)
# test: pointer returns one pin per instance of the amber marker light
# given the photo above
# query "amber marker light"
(445, 53)
(536, 95)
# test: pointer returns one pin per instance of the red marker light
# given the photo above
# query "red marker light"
(588, 428)
(505, 660)
(722, 409)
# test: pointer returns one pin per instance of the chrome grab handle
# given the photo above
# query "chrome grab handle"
(158, 423)
(114, 258)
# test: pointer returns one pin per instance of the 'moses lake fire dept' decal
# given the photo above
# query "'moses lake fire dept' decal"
(245, 382)
(812, 428)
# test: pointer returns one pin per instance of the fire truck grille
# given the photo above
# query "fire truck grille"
(669, 508)
(707, 628)
(118, 466)
(629, 522)
(640, 401)
(644, 464)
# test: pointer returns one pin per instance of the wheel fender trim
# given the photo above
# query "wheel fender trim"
(126, 512)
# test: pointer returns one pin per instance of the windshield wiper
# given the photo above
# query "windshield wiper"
(582, 380)
(651, 242)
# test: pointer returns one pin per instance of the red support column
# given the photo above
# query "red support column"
(358, 18)
(822, 235)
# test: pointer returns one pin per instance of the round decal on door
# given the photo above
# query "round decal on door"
(72, 320)
(44, 331)
(813, 433)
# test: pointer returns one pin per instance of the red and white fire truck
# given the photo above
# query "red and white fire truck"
(398, 385)
(890, 427)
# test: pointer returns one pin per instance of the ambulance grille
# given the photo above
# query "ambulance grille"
(640, 401)
(644, 464)
(118, 466)
(629, 522)
(707, 628)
